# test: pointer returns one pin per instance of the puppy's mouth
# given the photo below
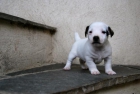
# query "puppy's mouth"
(96, 42)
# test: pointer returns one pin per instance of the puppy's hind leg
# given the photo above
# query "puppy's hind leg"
(83, 64)
(71, 57)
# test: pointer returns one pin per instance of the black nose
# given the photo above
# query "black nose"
(96, 38)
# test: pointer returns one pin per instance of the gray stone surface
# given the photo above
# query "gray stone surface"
(133, 66)
(38, 69)
(24, 22)
(55, 80)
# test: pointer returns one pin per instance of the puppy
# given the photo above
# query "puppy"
(94, 49)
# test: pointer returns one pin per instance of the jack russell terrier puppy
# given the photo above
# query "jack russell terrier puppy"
(94, 49)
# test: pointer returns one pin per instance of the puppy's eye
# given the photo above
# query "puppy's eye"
(90, 32)
(103, 32)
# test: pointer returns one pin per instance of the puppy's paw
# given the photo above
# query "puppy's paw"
(67, 68)
(95, 72)
(110, 72)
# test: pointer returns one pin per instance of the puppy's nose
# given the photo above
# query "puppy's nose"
(96, 38)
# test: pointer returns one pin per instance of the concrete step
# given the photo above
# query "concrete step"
(53, 79)
(25, 23)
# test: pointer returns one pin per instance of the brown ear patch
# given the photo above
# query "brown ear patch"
(110, 31)
(86, 31)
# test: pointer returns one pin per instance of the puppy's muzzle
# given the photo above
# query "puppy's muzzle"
(96, 39)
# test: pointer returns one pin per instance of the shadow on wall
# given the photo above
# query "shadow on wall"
(23, 47)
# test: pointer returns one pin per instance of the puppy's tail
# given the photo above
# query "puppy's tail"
(77, 37)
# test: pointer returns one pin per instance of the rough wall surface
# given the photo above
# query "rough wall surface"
(23, 48)
(70, 16)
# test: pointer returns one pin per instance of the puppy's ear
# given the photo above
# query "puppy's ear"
(110, 32)
(86, 31)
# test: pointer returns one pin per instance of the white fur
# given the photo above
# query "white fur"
(91, 53)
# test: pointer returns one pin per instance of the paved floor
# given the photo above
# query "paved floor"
(52, 79)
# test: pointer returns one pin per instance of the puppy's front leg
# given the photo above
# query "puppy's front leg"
(108, 67)
(92, 66)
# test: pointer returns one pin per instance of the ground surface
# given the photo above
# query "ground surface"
(53, 79)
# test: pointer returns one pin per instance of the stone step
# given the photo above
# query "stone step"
(53, 79)
(25, 23)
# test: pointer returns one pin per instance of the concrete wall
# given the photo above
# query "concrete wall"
(23, 48)
(74, 15)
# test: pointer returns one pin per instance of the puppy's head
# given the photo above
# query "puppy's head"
(98, 33)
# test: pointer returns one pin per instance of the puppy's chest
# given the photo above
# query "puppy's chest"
(98, 57)
(97, 60)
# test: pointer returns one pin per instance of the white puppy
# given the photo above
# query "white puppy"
(94, 49)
